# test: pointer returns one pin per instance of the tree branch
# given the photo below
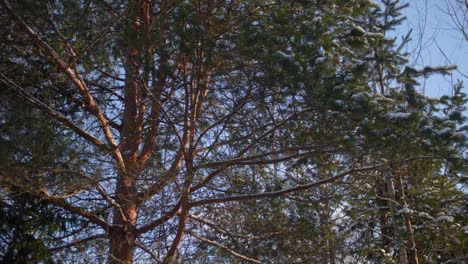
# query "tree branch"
(278, 193)
(261, 158)
(227, 233)
(75, 77)
(52, 113)
(77, 242)
(8, 174)
(230, 251)
(147, 250)
(160, 221)
(77, 210)
(245, 149)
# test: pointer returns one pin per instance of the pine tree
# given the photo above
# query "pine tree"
(185, 131)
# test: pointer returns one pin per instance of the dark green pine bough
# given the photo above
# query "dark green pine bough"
(223, 132)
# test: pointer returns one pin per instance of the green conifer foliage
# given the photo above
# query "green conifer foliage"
(223, 132)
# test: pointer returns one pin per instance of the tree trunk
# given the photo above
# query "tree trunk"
(122, 236)
(413, 253)
(383, 205)
(391, 195)
(122, 244)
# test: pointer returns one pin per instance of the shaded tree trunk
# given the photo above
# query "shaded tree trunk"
(383, 205)
(122, 244)
(412, 255)
(122, 237)
(391, 195)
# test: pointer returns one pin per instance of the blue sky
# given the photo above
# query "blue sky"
(435, 42)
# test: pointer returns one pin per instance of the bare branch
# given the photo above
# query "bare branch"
(225, 232)
(111, 201)
(147, 250)
(75, 77)
(51, 112)
(278, 193)
(262, 158)
(77, 210)
(150, 226)
(77, 242)
(8, 174)
(230, 251)
(224, 166)
(183, 216)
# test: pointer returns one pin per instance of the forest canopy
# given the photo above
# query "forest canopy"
(237, 131)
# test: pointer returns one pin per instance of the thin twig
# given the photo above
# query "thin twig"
(230, 251)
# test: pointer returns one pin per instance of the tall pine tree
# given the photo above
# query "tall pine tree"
(185, 131)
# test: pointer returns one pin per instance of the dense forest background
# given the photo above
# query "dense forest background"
(237, 131)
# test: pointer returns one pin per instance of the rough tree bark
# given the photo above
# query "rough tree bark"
(122, 237)
(159, 80)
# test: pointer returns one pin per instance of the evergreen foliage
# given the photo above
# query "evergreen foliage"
(224, 132)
